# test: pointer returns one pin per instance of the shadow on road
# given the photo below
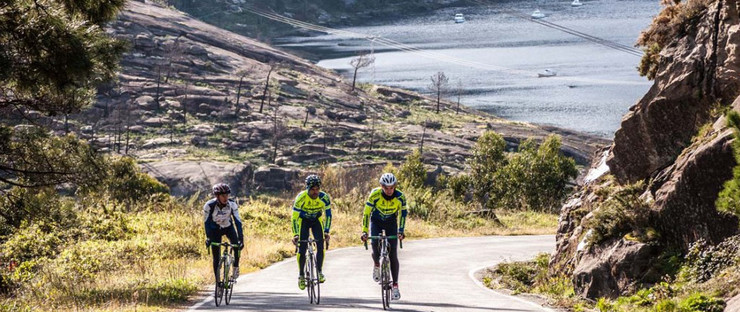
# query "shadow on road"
(270, 301)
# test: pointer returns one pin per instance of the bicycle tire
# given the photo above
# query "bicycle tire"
(309, 278)
(218, 290)
(318, 283)
(384, 284)
(227, 282)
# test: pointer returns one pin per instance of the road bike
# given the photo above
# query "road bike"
(311, 270)
(224, 281)
(386, 283)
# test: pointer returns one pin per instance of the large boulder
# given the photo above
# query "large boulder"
(186, 178)
(612, 269)
(275, 178)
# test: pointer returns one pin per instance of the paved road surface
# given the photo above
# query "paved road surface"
(436, 275)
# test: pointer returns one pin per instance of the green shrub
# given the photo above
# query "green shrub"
(622, 213)
(125, 182)
(412, 172)
(31, 242)
(489, 155)
(703, 261)
(729, 198)
(699, 302)
(665, 305)
(459, 185)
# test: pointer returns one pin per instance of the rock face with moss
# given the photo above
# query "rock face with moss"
(668, 162)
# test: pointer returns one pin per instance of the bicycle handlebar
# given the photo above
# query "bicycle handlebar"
(382, 237)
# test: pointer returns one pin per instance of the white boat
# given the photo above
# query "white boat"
(576, 3)
(547, 73)
(459, 18)
(537, 14)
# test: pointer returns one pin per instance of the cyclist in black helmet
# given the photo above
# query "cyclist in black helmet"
(218, 214)
(311, 212)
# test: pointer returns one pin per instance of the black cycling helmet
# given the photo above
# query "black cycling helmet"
(312, 180)
(221, 188)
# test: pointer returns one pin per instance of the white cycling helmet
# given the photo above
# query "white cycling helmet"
(388, 179)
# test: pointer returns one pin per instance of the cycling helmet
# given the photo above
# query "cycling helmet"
(221, 188)
(312, 180)
(388, 179)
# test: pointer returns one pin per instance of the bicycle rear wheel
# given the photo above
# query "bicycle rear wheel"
(387, 286)
(317, 283)
(228, 286)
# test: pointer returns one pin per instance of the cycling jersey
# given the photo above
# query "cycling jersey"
(216, 217)
(379, 208)
(305, 207)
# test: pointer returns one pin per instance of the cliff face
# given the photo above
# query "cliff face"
(683, 168)
(695, 72)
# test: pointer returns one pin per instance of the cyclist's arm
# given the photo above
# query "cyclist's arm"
(237, 221)
(327, 212)
(295, 219)
(206, 210)
(366, 216)
(404, 213)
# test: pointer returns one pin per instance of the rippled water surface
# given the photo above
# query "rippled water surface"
(497, 56)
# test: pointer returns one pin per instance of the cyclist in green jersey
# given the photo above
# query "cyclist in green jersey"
(381, 213)
(311, 212)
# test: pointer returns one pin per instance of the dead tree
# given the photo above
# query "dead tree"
(439, 86)
(459, 93)
(361, 61)
(273, 67)
(242, 74)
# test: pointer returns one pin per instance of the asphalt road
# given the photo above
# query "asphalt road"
(435, 275)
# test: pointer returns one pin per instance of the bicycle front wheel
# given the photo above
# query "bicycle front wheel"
(219, 289)
(228, 286)
(309, 269)
(385, 292)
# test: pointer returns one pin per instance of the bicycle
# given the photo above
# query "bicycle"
(224, 282)
(386, 283)
(311, 270)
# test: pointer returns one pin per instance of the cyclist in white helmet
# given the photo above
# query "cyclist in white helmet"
(381, 213)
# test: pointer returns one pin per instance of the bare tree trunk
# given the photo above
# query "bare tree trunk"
(305, 120)
(185, 106)
(423, 133)
(239, 94)
(439, 93)
(354, 78)
(267, 85)
(159, 82)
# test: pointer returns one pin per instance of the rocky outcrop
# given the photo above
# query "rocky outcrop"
(659, 143)
(696, 71)
(186, 178)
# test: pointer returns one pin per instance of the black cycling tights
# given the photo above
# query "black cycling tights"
(316, 227)
(230, 233)
(391, 228)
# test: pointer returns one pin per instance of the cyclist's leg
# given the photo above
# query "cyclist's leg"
(215, 251)
(391, 229)
(318, 234)
(375, 228)
(304, 228)
(233, 238)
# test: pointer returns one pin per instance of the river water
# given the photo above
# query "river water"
(495, 58)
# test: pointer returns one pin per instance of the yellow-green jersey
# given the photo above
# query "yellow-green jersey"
(380, 207)
(305, 207)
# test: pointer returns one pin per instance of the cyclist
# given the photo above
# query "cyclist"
(311, 212)
(218, 214)
(381, 213)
